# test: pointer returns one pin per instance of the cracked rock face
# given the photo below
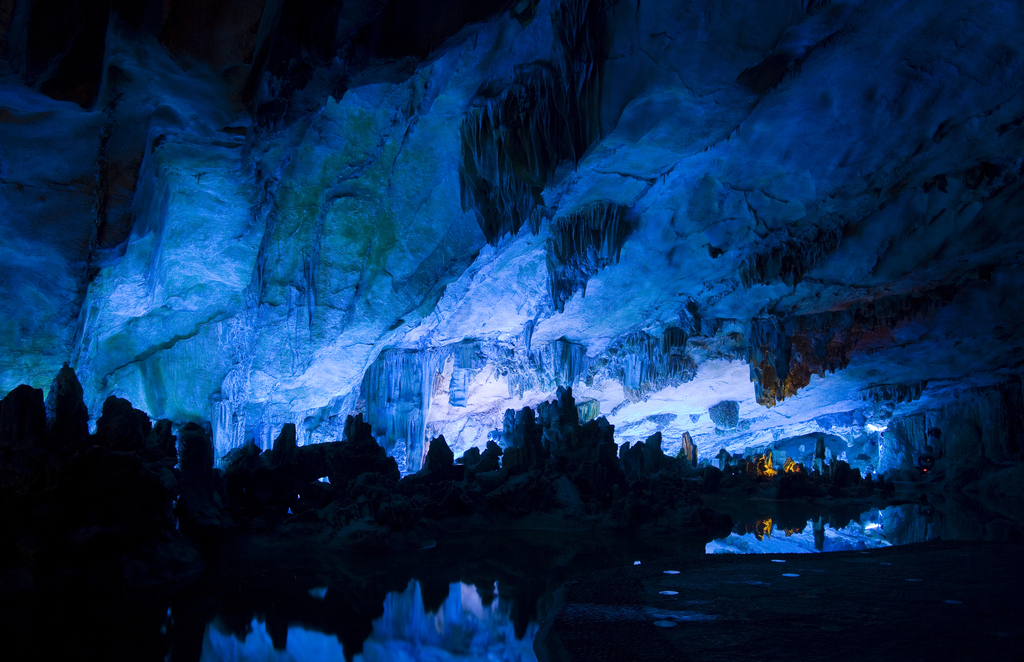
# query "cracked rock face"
(285, 213)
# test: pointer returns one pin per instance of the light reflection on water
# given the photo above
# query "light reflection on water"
(463, 629)
(875, 528)
(474, 623)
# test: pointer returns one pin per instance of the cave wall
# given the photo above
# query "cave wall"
(241, 212)
(978, 425)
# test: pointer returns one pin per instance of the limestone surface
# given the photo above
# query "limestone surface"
(291, 213)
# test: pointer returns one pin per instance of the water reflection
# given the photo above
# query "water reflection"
(468, 598)
(471, 598)
(779, 527)
(468, 627)
(465, 628)
(815, 535)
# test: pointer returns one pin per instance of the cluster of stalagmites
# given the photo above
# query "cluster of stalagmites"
(98, 507)
(547, 464)
(133, 503)
(755, 476)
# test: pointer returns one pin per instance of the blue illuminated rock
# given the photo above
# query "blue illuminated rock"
(725, 415)
(655, 205)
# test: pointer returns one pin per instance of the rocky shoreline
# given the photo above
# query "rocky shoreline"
(135, 505)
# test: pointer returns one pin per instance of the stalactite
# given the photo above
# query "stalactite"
(543, 367)
(527, 336)
(397, 389)
(512, 143)
(783, 354)
(769, 349)
(458, 389)
(789, 259)
(581, 244)
(896, 393)
(644, 363)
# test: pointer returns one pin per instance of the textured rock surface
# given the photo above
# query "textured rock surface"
(287, 214)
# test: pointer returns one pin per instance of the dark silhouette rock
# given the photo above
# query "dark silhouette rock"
(242, 459)
(439, 464)
(122, 427)
(471, 457)
(67, 419)
(160, 443)
(569, 413)
(489, 460)
(523, 494)
(522, 436)
(196, 458)
(712, 479)
(22, 416)
(439, 456)
(359, 453)
(284, 446)
(115, 489)
(645, 458)
(843, 475)
(25, 469)
(794, 485)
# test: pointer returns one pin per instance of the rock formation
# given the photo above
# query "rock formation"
(237, 218)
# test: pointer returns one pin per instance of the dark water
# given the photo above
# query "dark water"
(476, 624)
(475, 599)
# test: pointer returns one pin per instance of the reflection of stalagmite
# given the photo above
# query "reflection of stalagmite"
(463, 625)
(819, 534)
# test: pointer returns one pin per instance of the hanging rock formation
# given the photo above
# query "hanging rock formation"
(289, 213)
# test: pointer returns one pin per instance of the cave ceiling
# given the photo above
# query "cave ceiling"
(249, 213)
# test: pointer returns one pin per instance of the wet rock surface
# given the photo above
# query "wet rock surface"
(956, 601)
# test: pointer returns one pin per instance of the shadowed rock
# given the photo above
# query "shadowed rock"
(284, 445)
(477, 462)
(122, 427)
(100, 513)
(439, 455)
(196, 450)
(645, 459)
(439, 464)
(160, 443)
(359, 453)
(67, 418)
(22, 416)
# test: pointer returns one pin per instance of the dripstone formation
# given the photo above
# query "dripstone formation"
(134, 504)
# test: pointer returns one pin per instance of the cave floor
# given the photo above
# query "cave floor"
(927, 601)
